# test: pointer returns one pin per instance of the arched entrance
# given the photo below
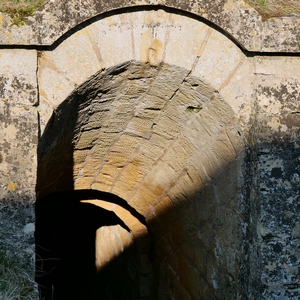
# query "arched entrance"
(160, 136)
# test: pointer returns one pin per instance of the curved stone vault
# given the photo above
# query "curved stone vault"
(155, 136)
(142, 106)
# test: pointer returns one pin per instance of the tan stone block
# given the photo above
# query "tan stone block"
(110, 242)
(101, 186)
(160, 178)
(195, 130)
(152, 103)
(108, 171)
(188, 187)
(142, 241)
(118, 160)
(143, 200)
(163, 247)
(51, 95)
(149, 41)
(147, 154)
(175, 110)
(126, 144)
(79, 47)
(180, 155)
(102, 145)
(176, 234)
(83, 183)
(140, 127)
(237, 140)
(132, 174)
(53, 82)
(238, 92)
(80, 156)
(87, 139)
(214, 67)
(77, 169)
(206, 124)
(90, 168)
(184, 40)
(104, 180)
(118, 123)
(216, 115)
(159, 140)
(223, 150)
(123, 189)
(113, 42)
(167, 128)
(167, 81)
(282, 66)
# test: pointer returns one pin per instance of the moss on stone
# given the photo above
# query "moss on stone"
(275, 8)
(19, 10)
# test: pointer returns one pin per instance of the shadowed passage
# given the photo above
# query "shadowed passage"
(65, 246)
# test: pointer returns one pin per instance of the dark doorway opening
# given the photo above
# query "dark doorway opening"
(65, 250)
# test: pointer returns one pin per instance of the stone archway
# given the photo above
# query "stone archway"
(164, 141)
(160, 121)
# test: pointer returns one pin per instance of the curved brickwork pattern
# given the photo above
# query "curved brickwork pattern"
(237, 18)
(150, 36)
(155, 136)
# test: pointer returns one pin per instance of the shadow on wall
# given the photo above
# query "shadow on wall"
(66, 227)
(200, 237)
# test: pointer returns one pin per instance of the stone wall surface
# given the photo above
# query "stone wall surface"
(277, 166)
(236, 18)
(19, 123)
(180, 109)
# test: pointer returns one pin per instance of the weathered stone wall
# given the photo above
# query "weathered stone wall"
(160, 106)
(277, 179)
(19, 124)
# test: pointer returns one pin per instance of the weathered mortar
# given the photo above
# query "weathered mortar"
(227, 227)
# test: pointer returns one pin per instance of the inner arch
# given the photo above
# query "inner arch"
(154, 136)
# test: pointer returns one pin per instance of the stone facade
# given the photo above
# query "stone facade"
(187, 111)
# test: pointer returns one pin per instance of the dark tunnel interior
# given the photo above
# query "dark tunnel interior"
(65, 251)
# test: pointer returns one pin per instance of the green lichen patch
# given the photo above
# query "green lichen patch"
(19, 10)
(275, 8)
